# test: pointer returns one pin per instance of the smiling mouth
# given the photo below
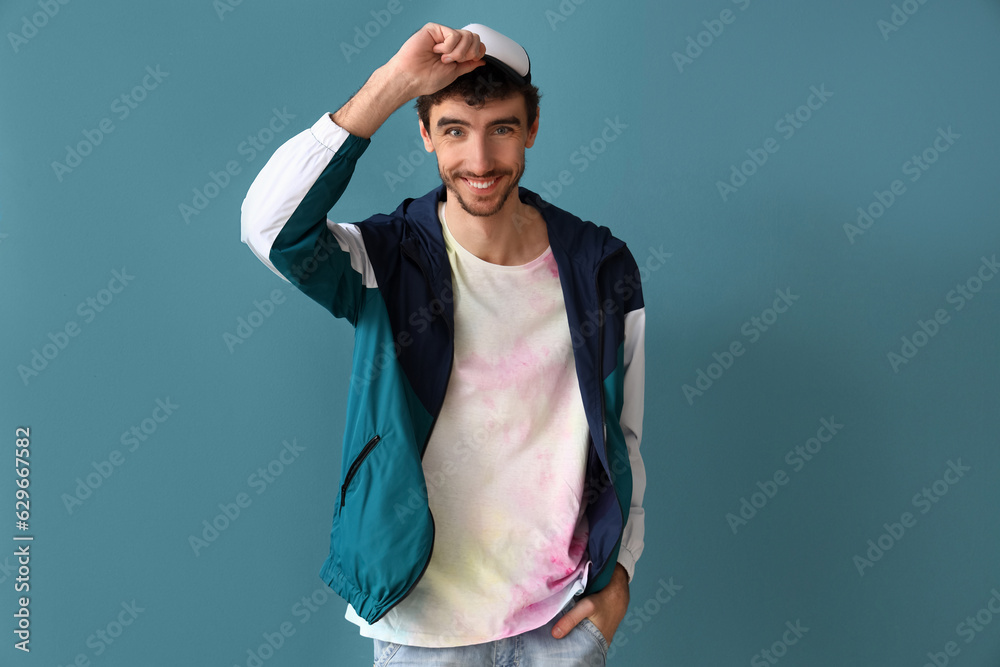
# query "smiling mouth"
(481, 184)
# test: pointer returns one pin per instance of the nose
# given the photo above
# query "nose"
(478, 159)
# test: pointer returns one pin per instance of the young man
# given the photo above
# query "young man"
(490, 507)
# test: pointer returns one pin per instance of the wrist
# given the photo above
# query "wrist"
(390, 85)
(620, 576)
(395, 83)
(382, 94)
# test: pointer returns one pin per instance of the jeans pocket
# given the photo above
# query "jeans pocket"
(384, 652)
(595, 632)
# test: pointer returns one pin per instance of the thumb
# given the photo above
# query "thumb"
(570, 619)
(468, 66)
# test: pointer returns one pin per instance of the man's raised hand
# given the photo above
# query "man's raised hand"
(436, 55)
(428, 61)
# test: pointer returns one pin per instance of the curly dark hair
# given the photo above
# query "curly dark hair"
(486, 82)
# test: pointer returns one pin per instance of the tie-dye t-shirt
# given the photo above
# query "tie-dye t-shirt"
(504, 466)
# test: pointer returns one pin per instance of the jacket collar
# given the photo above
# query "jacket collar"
(573, 241)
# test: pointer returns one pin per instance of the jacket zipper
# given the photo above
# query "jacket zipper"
(426, 441)
(365, 451)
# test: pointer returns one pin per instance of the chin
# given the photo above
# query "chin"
(482, 208)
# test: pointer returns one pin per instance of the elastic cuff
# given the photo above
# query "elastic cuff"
(337, 139)
(627, 561)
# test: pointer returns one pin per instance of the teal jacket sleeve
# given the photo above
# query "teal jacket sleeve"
(284, 218)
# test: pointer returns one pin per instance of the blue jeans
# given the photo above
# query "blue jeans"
(584, 646)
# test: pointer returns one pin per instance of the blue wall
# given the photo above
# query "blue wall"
(821, 421)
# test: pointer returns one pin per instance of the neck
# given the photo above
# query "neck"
(515, 235)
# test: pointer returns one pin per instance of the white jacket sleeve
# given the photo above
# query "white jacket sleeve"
(284, 217)
(631, 422)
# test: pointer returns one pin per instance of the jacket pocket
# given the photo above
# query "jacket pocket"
(356, 465)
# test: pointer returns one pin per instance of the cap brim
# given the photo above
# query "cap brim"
(504, 52)
(508, 70)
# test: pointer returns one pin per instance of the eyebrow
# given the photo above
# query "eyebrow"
(509, 120)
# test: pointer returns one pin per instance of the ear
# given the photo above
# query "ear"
(428, 146)
(533, 130)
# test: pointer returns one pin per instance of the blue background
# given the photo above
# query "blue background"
(684, 126)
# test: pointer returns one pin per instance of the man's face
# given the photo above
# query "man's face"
(480, 151)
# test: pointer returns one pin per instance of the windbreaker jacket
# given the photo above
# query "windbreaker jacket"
(390, 277)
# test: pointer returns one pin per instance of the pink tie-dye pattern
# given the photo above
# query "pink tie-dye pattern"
(550, 264)
(513, 538)
(555, 558)
(539, 383)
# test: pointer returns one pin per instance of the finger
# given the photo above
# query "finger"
(570, 619)
(445, 39)
(467, 48)
(456, 43)
(473, 54)
(476, 49)
(468, 66)
(565, 624)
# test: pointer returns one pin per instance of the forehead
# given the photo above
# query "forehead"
(456, 107)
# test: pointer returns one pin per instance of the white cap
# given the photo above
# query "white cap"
(503, 51)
